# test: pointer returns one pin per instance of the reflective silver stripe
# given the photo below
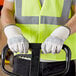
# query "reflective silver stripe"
(18, 9)
(66, 9)
(58, 20)
(53, 20)
(28, 20)
(44, 19)
(24, 19)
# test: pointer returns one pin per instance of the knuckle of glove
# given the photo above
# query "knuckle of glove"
(18, 44)
(53, 49)
(25, 46)
(53, 45)
(13, 48)
(48, 47)
(43, 47)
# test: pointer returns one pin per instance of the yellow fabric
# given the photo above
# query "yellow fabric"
(37, 33)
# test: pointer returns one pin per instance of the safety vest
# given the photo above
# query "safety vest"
(37, 22)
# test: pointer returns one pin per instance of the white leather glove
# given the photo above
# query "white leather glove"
(15, 39)
(53, 44)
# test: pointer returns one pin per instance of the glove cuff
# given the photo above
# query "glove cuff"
(68, 29)
(12, 30)
(62, 33)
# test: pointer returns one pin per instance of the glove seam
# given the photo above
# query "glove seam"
(9, 25)
(68, 29)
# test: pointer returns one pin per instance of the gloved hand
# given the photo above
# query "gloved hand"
(53, 44)
(15, 39)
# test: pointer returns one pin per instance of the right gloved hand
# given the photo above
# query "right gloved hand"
(54, 43)
(15, 39)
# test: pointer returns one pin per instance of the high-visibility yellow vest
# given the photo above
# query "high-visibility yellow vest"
(37, 22)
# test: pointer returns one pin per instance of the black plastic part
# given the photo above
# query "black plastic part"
(1, 7)
(35, 60)
(34, 69)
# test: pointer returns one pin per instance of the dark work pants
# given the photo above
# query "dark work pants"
(22, 67)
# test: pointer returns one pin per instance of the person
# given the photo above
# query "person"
(2, 36)
(50, 22)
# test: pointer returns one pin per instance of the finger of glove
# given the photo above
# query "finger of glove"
(53, 49)
(12, 48)
(15, 47)
(20, 47)
(43, 47)
(25, 47)
(48, 47)
(59, 48)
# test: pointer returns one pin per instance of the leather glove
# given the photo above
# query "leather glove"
(54, 43)
(15, 39)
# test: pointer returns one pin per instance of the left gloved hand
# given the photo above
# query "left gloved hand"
(53, 44)
(16, 41)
